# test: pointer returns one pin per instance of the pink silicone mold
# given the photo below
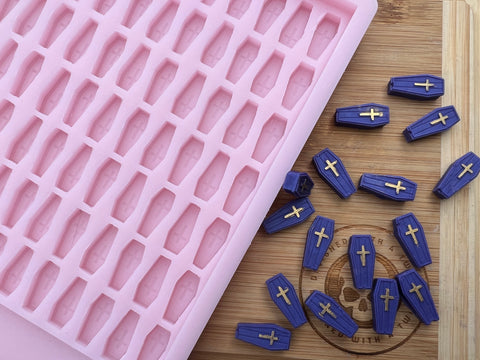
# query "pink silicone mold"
(143, 143)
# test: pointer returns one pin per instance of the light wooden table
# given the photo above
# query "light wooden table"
(459, 328)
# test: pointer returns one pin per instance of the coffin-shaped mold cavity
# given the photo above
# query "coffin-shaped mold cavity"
(73, 171)
(128, 200)
(3, 242)
(42, 220)
(110, 53)
(97, 315)
(324, 34)
(6, 7)
(54, 93)
(66, 305)
(270, 136)
(244, 57)
(192, 27)
(83, 97)
(181, 232)
(128, 261)
(119, 341)
(217, 105)
(149, 287)
(239, 128)
(22, 200)
(159, 207)
(103, 180)
(187, 157)
(299, 82)
(53, 146)
(294, 29)
(15, 270)
(80, 43)
(210, 180)
(6, 56)
(267, 76)
(102, 6)
(157, 149)
(237, 8)
(58, 23)
(133, 69)
(213, 239)
(6, 112)
(155, 344)
(270, 12)
(217, 46)
(97, 252)
(29, 17)
(27, 73)
(75, 227)
(23, 142)
(4, 175)
(162, 22)
(161, 80)
(103, 121)
(135, 126)
(182, 295)
(136, 9)
(242, 187)
(188, 97)
(42, 283)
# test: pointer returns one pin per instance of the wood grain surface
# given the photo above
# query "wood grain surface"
(406, 37)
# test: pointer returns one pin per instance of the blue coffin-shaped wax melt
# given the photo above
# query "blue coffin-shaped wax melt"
(284, 296)
(331, 169)
(363, 116)
(267, 336)
(416, 294)
(319, 238)
(409, 233)
(361, 253)
(385, 301)
(291, 214)
(298, 184)
(418, 87)
(437, 121)
(391, 187)
(458, 175)
(331, 313)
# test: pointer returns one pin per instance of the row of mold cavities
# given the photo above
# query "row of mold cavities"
(294, 28)
(135, 10)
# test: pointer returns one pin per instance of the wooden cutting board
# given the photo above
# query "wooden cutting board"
(404, 38)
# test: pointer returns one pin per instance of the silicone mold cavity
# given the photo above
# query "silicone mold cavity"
(81, 42)
(97, 253)
(98, 314)
(181, 232)
(130, 258)
(66, 305)
(6, 112)
(182, 295)
(149, 287)
(111, 52)
(159, 207)
(75, 227)
(58, 23)
(29, 17)
(41, 285)
(15, 270)
(270, 12)
(6, 56)
(161, 24)
(142, 139)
